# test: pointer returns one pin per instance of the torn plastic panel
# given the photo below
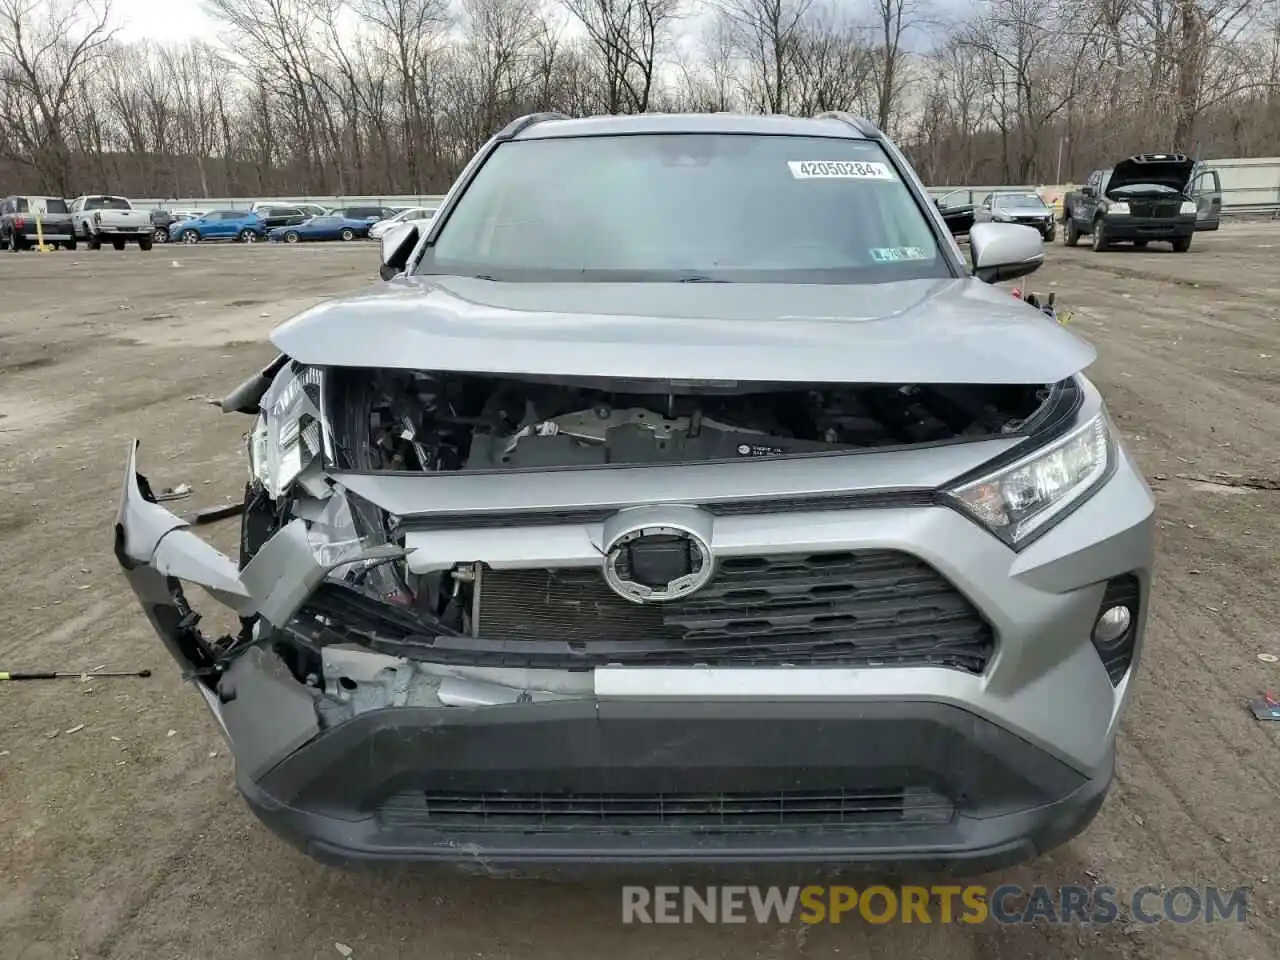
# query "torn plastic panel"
(357, 681)
(159, 554)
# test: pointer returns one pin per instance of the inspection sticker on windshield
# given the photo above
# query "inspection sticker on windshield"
(897, 254)
(839, 170)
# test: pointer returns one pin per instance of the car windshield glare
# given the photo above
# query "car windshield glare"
(688, 207)
(1022, 201)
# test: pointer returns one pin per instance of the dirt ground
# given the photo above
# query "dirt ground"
(121, 835)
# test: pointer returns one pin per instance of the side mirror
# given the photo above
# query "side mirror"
(1003, 251)
(397, 245)
(1088, 191)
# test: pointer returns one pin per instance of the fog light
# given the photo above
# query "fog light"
(1111, 626)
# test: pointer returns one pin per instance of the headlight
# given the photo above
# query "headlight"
(1118, 208)
(1024, 498)
(1188, 206)
(287, 436)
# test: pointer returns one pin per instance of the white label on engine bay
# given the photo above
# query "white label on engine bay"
(839, 170)
(759, 450)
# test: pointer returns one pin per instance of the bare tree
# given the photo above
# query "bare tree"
(893, 20)
(767, 35)
(45, 50)
(628, 36)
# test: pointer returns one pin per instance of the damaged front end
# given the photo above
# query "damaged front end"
(462, 635)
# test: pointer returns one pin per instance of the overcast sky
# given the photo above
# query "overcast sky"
(169, 20)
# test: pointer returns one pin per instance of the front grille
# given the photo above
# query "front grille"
(837, 810)
(867, 608)
(1155, 208)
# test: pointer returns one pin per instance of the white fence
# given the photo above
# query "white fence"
(1246, 182)
(243, 203)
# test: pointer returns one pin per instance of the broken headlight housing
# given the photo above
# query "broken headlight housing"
(1026, 498)
(288, 434)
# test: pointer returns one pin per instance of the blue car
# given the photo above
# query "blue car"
(329, 227)
(238, 225)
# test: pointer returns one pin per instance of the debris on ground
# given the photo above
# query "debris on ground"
(1265, 707)
(212, 514)
(76, 729)
(1268, 658)
(174, 493)
(172, 733)
(343, 949)
(1233, 480)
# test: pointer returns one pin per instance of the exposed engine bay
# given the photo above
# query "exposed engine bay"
(473, 616)
(425, 421)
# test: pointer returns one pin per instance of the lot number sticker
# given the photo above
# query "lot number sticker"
(839, 170)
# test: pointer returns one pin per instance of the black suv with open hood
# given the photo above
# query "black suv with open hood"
(1141, 199)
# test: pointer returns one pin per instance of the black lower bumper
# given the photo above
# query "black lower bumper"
(1150, 228)
(591, 783)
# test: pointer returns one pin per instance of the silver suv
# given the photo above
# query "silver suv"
(628, 524)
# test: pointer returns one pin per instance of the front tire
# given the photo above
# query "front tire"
(1100, 241)
(292, 237)
(1181, 244)
(1071, 235)
(190, 236)
(145, 243)
(95, 243)
(348, 234)
(161, 235)
(248, 236)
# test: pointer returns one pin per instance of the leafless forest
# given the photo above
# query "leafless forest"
(391, 96)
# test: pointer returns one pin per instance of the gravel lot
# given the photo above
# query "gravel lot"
(122, 836)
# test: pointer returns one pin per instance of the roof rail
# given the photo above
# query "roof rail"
(861, 124)
(513, 128)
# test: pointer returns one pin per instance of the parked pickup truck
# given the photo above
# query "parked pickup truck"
(1146, 197)
(103, 219)
(25, 221)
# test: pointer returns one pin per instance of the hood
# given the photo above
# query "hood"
(934, 331)
(1171, 170)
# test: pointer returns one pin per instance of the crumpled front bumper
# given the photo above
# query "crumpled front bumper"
(338, 791)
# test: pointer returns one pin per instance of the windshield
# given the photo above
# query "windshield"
(670, 207)
(107, 203)
(1020, 201)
